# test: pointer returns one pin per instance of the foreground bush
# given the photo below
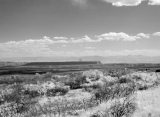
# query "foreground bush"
(106, 92)
(125, 109)
(14, 101)
(118, 108)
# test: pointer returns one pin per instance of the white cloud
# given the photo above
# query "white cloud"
(28, 47)
(154, 2)
(112, 36)
(118, 3)
(156, 34)
(45, 37)
(143, 35)
(85, 39)
(63, 38)
(124, 2)
(44, 46)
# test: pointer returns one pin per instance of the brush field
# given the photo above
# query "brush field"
(113, 90)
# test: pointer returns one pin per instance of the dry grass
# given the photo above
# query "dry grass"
(107, 96)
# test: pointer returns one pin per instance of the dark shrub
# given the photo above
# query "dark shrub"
(76, 81)
(57, 90)
(125, 109)
(32, 94)
(124, 80)
(145, 87)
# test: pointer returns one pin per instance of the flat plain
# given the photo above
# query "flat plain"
(90, 90)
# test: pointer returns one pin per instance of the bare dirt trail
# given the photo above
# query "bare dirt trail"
(148, 103)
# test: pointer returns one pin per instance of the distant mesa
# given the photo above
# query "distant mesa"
(64, 63)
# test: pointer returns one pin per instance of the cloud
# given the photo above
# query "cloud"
(60, 38)
(28, 47)
(41, 47)
(131, 2)
(118, 3)
(85, 39)
(45, 37)
(143, 35)
(47, 46)
(156, 34)
(154, 2)
(112, 36)
(124, 2)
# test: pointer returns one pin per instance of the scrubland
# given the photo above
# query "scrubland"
(91, 93)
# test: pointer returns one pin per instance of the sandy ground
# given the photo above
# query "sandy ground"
(148, 103)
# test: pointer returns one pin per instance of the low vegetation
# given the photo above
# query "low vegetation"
(55, 95)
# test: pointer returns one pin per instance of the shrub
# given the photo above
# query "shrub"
(32, 93)
(136, 77)
(93, 75)
(15, 100)
(90, 87)
(12, 95)
(32, 90)
(144, 87)
(125, 109)
(76, 81)
(124, 80)
(11, 80)
(106, 92)
(57, 90)
(118, 73)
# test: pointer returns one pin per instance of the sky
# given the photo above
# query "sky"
(79, 28)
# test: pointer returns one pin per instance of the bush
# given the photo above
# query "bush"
(91, 87)
(15, 100)
(57, 91)
(145, 87)
(11, 80)
(93, 75)
(136, 77)
(118, 73)
(76, 81)
(125, 109)
(106, 92)
(124, 80)
(32, 90)
(11, 95)
(32, 93)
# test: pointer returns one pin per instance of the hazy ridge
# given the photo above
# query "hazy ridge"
(103, 59)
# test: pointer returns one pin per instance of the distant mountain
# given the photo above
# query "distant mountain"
(124, 59)
(103, 59)
(39, 59)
